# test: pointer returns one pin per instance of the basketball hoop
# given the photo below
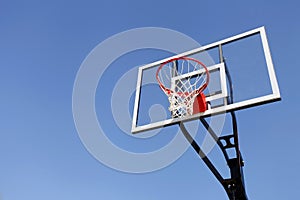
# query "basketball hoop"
(183, 80)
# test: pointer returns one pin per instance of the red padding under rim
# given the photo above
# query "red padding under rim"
(200, 104)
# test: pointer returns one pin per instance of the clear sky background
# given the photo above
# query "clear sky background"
(42, 45)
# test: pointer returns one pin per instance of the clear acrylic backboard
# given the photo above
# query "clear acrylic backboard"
(242, 62)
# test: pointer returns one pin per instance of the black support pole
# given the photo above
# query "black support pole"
(234, 186)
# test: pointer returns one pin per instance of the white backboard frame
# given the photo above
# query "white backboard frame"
(274, 96)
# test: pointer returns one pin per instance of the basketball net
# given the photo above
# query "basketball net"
(182, 80)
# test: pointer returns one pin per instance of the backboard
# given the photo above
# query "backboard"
(241, 76)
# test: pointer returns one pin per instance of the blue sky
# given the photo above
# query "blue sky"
(42, 45)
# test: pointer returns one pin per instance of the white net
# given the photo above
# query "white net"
(182, 80)
(181, 105)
